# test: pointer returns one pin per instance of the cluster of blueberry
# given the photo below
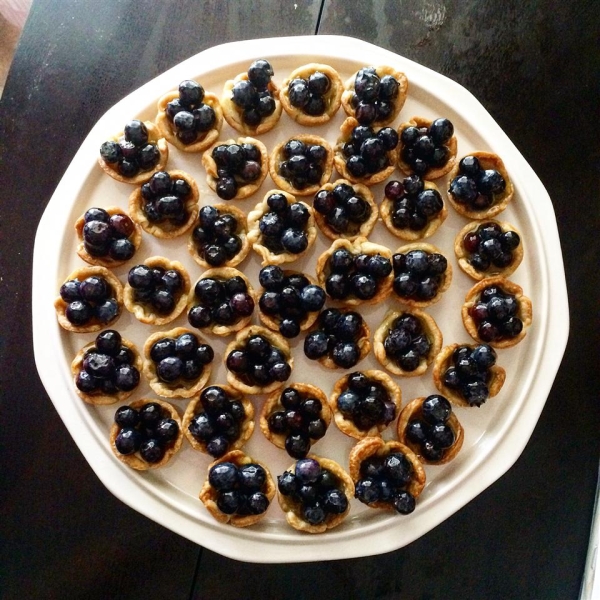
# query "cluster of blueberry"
(191, 117)
(237, 165)
(343, 208)
(367, 150)
(253, 96)
(490, 246)
(165, 199)
(406, 342)
(425, 148)
(92, 298)
(216, 236)
(418, 274)
(309, 95)
(475, 186)
(106, 235)
(373, 96)
(160, 288)
(495, 315)
(302, 165)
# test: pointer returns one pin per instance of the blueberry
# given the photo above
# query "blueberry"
(287, 483)
(365, 113)
(348, 327)
(396, 342)
(469, 165)
(289, 328)
(297, 445)
(136, 132)
(127, 377)
(214, 400)
(345, 354)
(510, 240)
(312, 298)
(202, 428)
(314, 514)
(317, 429)
(464, 189)
(337, 286)
(298, 92)
(128, 441)
(364, 286)
(229, 502)
(315, 345)
(441, 130)
(294, 241)
(335, 502)
(307, 471)
(483, 356)
(409, 361)
(152, 451)
(280, 371)
(367, 491)
(163, 301)
(441, 435)
(244, 94)
(169, 369)
(475, 392)
(388, 137)
(366, 85)
(417, 261)
(217, 446)
(237, 361)
(260, 73)
(347, 402)
(404, 503)
(436, 409)
(491, 182)
(110, 152)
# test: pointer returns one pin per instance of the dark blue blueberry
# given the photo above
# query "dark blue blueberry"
(436, 409)
(356, 166)
(312, 298)
(345, 354)
(337, 286)
(314, 514)
(483, 356)
(404, 503)
(464, 189)
(364, 286)
(163, 301)
(294, 241)
(490, 182)
(99, 365)
(228, 502)
(152, 451)
(512, 327)
(127, 377)
(475, 392)
(128, 441)
(429, 203)
(202, 428)
(280, 371)
(417, 261)
(441, 130)
(366, 85)
(316, 345)
(169, 369)
(140, 277)
(252, 477)
(287, 483)
(167, 430)
(396, 341)
(86, 382)
(417, 431)
(214, 400)
(510, 240)
(398, 468)
(348, 326)
(427, 288)
(335, 502)
(452, 378)
(367, 491)
(244, 94)
(217, 446)
(136, 132)
(441, 435)
(307, 471)
(260, 73)
(469, 165)
(347, 402)
(316, 429)
(297, 445)
(409, 361)
(223, 476)
(298, 93)
(110, 152)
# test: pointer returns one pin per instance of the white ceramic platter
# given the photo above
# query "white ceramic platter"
(495, 434)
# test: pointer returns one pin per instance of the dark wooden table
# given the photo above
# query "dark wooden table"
(534, 66)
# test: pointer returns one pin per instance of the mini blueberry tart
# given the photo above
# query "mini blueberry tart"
(219, 237)
(427, 147)
(412, 209)
(364, 403)
(491, 248)
(91, 298)
(467, 374)
(406, 342)
(295, 418)
(339, 340)
(315, 493)
(177, 363)
(258, 361)
(251, 101)
(421, 274)
(375, 95)
(497, 313)
(134, 155)
(290, 301)
(357, 272)
(312, 94)
(106, 370)
(345, 210)
(166, 206)
(219, 420)
(429, 427)
(146, 434)
(221, 301)
(365, 154)
(301, 164)
(386, 475)
(281, 229)
(480, 187)
(238, 490)
(189, 118)
(156, 291)
(235, 169)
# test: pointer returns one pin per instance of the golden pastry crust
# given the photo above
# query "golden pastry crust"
(346, 425)
(359, 246)
(375, 446)
(487, 160)
(209, 495)
(135, 461)
(276, 340)
(101, 398)
(143, 312)
(276, 159)
(431, 174)
(169, 132)
(462, 256)
(333, 97)
(292, 508)
(194, 408)
(356, 230)
(339, 159)
(397, 103)
(255, 236)
(444, 360)
(242, 233)
(155, 137)
(223, 274)
(94, 325)
(247, 189)
(524, 312)
(430, 329)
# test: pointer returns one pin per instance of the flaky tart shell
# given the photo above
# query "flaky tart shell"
(524, 312)
(223, 273)
(375, 446)
(430, 329)
(255, 236)
(365, 228)
(134, 460)
(444, 360)
(363, 343)
(462, 256)
(242, 233)
(386, 210)
(155, 137)
(413, 410)
(103, 398)
(209, 495)
(360, 245)
(247, 189)
(397, 103)
(168, 129)
(183, 388)
(292, 508)
(94, 325)
(273, 404)
(276, 340)
(487, 160)
(195, 407)
(333, 97)
(347, 426)
(233, 114)
(339, 159)
(437, 172)
(276, 159)
(143, 312)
